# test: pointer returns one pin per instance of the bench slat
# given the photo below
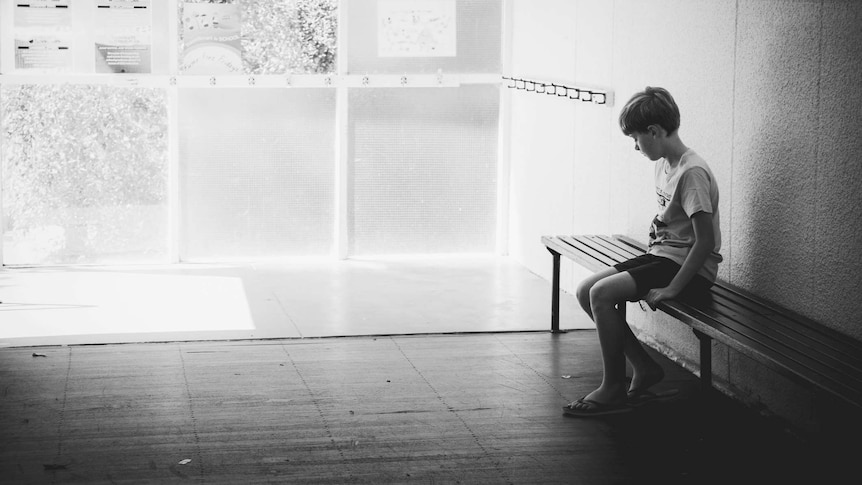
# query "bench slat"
(580, 244)
(780, 345)
(741, 342)
(849, 345)
(780, 328)
(580, 253)
(620, 253)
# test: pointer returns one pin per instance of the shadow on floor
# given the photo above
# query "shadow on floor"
(477, 408)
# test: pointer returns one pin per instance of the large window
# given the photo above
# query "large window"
(254, 130)
(84, 174)
(424, 171)
(257, 173)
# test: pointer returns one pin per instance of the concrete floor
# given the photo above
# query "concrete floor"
(384, 296)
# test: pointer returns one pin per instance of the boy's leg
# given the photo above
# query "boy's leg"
(583, 290)
(605, 295)
(646, 371)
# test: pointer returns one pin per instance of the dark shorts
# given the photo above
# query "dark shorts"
(650, 271)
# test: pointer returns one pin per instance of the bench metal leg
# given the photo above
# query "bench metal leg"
(555, 294)
(705, 360)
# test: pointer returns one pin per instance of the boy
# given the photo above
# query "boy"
(682, 259)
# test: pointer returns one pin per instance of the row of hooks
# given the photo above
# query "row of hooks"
(319, 80)
(590, 95)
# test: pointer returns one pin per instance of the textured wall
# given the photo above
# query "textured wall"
(796, 171)
(771, 95)
(838, 219)
(775, 149)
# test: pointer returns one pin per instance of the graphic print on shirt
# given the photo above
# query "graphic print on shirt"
(658, 225)
(663, 199)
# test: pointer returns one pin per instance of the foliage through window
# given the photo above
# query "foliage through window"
(284, 36)
(85, 173)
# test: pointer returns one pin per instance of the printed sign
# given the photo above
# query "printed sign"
(43, 35)
(416, 28)
(123, 36)
(211, 39)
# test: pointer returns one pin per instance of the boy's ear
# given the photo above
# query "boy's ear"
(655, 130)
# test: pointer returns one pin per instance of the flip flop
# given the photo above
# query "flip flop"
(594, 408)
(639, 397)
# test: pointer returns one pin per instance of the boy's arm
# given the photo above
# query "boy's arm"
(704, 243)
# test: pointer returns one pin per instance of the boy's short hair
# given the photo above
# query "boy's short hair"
(652, 106)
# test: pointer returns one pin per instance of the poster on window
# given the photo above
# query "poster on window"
(43, 35)
(211, 39)
(416, 28)
(123, 36)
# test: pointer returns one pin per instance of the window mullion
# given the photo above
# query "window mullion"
(342, 141)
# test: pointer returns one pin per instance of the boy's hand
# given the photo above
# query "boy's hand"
(703, 244)
(656, 295)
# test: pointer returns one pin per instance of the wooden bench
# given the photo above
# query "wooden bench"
(793, 345)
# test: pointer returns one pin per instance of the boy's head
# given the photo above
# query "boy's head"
(652, 106)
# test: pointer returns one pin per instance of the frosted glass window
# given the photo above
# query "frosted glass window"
(257, 173)
(424, 170)
(84, 174)
(478, 36)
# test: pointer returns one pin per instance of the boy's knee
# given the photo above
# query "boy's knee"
(582, 291)
(602, 295)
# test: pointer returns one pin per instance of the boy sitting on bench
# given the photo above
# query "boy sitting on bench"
(681, 262)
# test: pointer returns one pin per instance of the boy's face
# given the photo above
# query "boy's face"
(647, 144)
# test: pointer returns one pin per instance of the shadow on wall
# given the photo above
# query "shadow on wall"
(773, 254)
(772, 179)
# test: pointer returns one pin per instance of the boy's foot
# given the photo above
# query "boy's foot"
(585, 408)
(641, 381)
(639, 397)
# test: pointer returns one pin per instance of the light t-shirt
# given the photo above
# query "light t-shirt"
(683, 191)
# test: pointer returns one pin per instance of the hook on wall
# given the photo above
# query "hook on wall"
(582, 93)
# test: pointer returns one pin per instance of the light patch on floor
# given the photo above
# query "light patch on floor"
(54, 303)
(275, 300)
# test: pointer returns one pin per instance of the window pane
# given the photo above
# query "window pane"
(257, 173)
(84, 174)
(424, 172)
(281, 36)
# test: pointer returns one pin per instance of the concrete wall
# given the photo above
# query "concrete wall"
(770, 95)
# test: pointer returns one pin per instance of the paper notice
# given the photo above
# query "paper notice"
(416, 28)
(211, 39)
